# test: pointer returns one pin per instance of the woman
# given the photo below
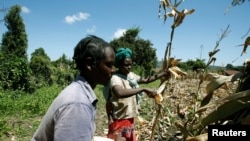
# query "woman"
(71, 116)
(121, 95)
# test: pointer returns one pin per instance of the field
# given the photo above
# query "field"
(22, 113)
(181, 100)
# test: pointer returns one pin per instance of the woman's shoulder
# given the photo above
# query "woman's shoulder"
(117, 77)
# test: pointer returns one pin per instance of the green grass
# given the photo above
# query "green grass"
(21, 113)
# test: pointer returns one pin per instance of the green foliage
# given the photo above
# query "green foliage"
(21, 112)
(199, 64)
(63, 71)
(184, 65)
(14, 63)
(231, 67)
(193, 65)
(37, 103)
(41, 68)
(14, 73)
(144, 54)
(14, 41)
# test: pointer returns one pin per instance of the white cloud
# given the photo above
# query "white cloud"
(119, 32)
(76, 17)
(92, 29)
(25, 9)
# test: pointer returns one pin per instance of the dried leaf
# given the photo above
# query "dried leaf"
(181, 15)
(247, 42)
(178, 71)
(206, 99)
(226, 107)
(246, 120)
(202, 137)
(189, 12)
(179, 18)
(167, 3)
(216, 81)
(183, 130)
(172, 13)
(171, 61)
(210, 54)
(175, 74)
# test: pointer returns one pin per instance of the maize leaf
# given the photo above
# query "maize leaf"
(235, 96)
(230, 105)
(216, 81)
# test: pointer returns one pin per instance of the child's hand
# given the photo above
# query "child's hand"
(150, 92)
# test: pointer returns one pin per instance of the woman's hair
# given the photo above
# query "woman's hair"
(90, 46)
(121, 54)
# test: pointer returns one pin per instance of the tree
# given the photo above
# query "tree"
(199, 64)
(14, 62)
(193, 65)
(229, 66)
(144, 55)
(14, 41)
(41, 68)
(64, 73)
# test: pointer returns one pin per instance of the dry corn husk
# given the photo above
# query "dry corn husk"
(181, 15)
(158, 96)
(177, 72)
(173, 62)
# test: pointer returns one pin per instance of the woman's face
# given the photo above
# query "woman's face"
(126, 66)
(106, 68)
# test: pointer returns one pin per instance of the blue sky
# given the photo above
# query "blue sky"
(58, 25)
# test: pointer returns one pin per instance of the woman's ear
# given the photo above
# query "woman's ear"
(90, 63)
